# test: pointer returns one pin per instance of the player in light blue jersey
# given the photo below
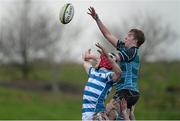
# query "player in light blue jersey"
(128, 56)
(99, 84)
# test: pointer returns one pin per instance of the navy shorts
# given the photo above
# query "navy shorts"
(130, 96)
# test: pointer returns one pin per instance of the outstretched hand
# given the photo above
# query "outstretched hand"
(123, 105)
(124, 110)
(92, 12)
(102, 49)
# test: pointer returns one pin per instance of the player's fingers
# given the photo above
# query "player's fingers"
(89, 9)
(99, 51)
(92, 8)
(93, 11)
(120, 102)
(89, 13)
(101, 47)
(98, 45)
(123, 100)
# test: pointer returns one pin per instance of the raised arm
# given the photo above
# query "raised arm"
(86, 58)
(90, 56)
(107, 34)
(115, 67)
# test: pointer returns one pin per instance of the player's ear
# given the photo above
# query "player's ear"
(136, 41)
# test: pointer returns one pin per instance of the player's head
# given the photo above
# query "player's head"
(104, 62)
(135, 37)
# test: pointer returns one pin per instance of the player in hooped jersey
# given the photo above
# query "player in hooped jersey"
(100, 81)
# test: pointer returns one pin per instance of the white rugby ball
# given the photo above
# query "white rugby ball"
(66, 13)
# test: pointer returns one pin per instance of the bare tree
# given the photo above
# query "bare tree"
(28, 35)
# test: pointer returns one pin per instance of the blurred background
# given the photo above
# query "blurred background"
(41, 72)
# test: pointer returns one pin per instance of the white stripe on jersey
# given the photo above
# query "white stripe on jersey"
(121, 55)
(89, 105)
(99, 83)
(87, 97)
(125, 54)
(87, 116)
(103, 75)
(94, 90)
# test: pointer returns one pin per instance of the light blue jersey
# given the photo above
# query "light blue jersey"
(96, 90)
(130, 64)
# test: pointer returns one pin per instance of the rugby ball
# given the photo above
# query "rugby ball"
(66, 13)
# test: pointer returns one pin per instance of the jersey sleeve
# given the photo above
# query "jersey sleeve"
(128, 54)
(120, 45)
(90, 70)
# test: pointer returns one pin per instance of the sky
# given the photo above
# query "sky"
(110, 11)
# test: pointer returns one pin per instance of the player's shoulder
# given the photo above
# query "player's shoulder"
(120, 44)
(132, 49)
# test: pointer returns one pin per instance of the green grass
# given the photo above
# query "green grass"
(17, 104)
(68, 72)
(156, 102)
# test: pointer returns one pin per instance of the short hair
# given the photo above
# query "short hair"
(139, 35)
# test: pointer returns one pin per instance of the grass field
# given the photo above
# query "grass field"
(159, 85)
(18, 104)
